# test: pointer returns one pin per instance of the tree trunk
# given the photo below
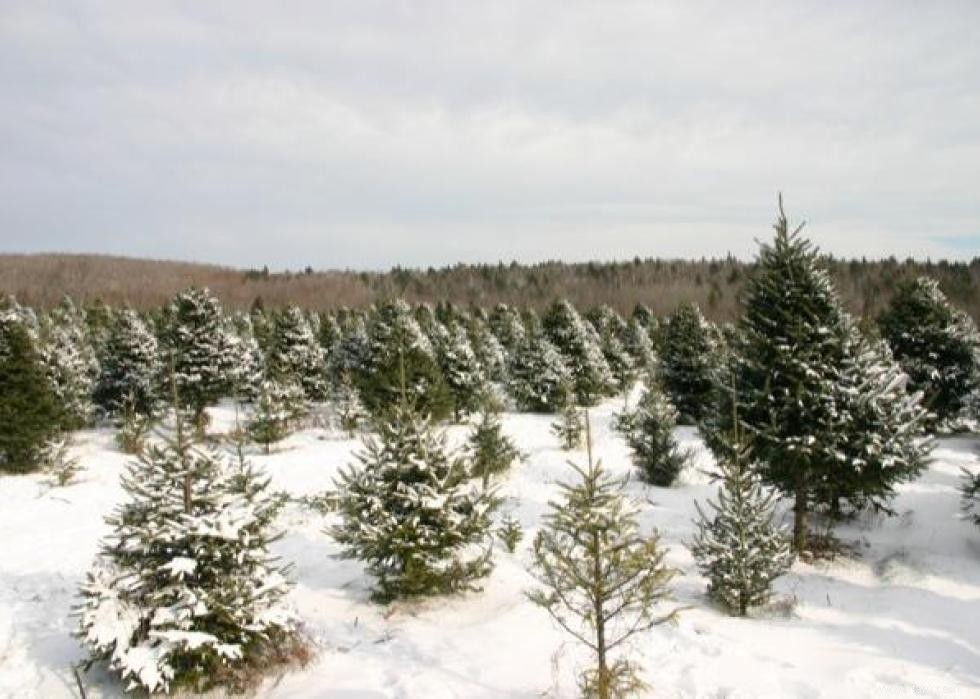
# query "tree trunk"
(800, 514)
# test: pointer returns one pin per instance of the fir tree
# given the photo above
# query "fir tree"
(490, 451)
(639, 346)
(348, 407)
(601, 578)
(650, 437)
(788, 369)
(580, 346)
(569, 428)
(72, 366)
(459, 366)
(506, 325)
(538, 376)
(251, 370)
(937, 345)
(970, 496)
(130, 367)
(877, 428)
(490, 353)
(30, 411)
(398, 349)
(185, 593)
(295, 355)
(689, 363)
(275, 413)
(737, 546)
(409, 512)
(196, 348)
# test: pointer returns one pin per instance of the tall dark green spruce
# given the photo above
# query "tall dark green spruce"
(30, 412)
(822, 407)
(937, 345)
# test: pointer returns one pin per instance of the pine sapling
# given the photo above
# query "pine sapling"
(569, 428)
(601, 577)
(61, 468)
(510, 533)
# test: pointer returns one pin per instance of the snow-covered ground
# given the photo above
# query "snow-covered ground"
(901, 618)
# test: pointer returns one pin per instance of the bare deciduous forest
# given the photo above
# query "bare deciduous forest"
(866, 286)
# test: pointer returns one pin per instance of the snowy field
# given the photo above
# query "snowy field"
(899, 618)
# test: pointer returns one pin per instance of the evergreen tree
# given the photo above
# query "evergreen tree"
(639, 346)
(399, 355)
(970, 496)
(937, 345)
(409, 512)
(72, 366)
(197, 349)
(348, 358)
(459, 366)
(30, 411)
(788, 369)
(251, 370)
(689, 363)
(650, 437)
(130, 366)
(877, 427)
(348, 407)
(580, 346)
(506, 325)
(737, 546)
(278, 407)
(645, 317)
(490, 353)
(185, 594)
(569, 428)
(601, 578)
(295, 355)
(490, 451)
(538, 376)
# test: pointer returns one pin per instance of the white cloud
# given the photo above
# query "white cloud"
(369, 134)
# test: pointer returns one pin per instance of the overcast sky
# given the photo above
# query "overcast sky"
(366, 134)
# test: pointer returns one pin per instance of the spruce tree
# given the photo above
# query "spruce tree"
(348, 406)
(650, 437)
(538, 376)
(398, 349)
(251, 370)
(490, 353)
(72, 366)
(409, 512)
(639, 347)
(30, 411)
(580, 346)
(601, 577)
(196, 347)
(295, 355)
(877, 427)
(737, 545)
(276, 410)
(506, 325)
(490, 451)
(937, 345)
(788, 369)
(130, 367)
(459, 366)
(185, 593)
(569, 428)
(689, 363)
(970, 496)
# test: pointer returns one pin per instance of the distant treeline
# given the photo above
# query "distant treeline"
(714, 284)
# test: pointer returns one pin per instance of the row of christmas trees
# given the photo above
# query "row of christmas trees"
(798, 401)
